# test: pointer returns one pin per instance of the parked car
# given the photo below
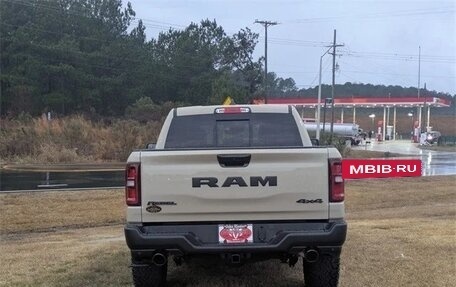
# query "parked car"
(433, 137)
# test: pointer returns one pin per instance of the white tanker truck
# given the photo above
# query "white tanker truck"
(350, 132)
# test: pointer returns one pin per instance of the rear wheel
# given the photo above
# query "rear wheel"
(323, 273)
(149, 275)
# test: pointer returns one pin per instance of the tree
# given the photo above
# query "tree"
(201, 64)
(226, 85)
(278, 87)
(66, 55)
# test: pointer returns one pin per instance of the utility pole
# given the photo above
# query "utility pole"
(419, 77)
(426, 108)
(334, 45)
(266, 24)
(419, 69)
(319, 92)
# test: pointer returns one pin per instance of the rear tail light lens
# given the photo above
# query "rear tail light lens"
(132, 184)
(336, 182)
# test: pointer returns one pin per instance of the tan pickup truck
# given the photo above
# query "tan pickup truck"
(238, 184)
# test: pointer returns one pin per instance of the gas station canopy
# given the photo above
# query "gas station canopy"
(371, 102)
(366, 102)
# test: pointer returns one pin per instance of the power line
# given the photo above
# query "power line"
(76, 63)
(300, 41)
(295, 72)
(296, 44)
(398, 54)
(278, 41)
(155, 24)
(400, 57)
(326, 64)
(345, 75)
(51, 32)
(388, 75)
(334, 46)
(394, 74)
(440, 10)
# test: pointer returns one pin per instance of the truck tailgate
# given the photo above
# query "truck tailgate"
(192, 185)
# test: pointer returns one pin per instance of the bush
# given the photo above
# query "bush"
(145, 110)
(73, 139)
(336, 141)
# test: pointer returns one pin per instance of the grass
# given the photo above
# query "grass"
(47, 211)
(72, 139)
(351, 153)
(402, 232)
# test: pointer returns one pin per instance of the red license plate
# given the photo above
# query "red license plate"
(235, 233)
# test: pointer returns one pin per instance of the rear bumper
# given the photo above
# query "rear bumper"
(191, 239)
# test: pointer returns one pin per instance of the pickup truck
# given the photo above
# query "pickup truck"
(239, 184)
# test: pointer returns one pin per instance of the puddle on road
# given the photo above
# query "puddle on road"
(30, 180)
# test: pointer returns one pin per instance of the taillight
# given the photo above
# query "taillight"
(336, 182)
(232, 110)
(132, 184)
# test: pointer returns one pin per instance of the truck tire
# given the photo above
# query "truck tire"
(323, 273)
(149, 275)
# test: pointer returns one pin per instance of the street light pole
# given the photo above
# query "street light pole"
(372, 116)
(413, 125)
(419, 78)
(333, 84)
(317, 135)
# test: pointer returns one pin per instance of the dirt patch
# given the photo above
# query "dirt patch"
(402, 232)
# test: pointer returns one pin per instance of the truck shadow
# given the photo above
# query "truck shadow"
(109, 266)
(268, 273)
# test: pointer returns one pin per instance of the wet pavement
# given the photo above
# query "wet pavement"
(434, 162)
(42, 180)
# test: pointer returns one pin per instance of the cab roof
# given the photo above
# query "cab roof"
(201, 110)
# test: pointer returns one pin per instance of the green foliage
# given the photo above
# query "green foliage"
(87, 57)
(336, 141)
(278, 86)
(227, 86)
(145, 110)
(78, 56)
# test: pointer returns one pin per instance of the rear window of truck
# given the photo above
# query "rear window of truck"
(233, 130)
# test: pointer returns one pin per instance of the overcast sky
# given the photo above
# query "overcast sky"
(381, 38)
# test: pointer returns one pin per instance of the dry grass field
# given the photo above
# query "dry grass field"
(352, 153)
(402, 232)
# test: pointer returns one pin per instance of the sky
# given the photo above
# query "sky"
(381, 38)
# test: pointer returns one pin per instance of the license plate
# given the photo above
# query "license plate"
(235, 233)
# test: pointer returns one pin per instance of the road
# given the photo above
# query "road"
(434, 162)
